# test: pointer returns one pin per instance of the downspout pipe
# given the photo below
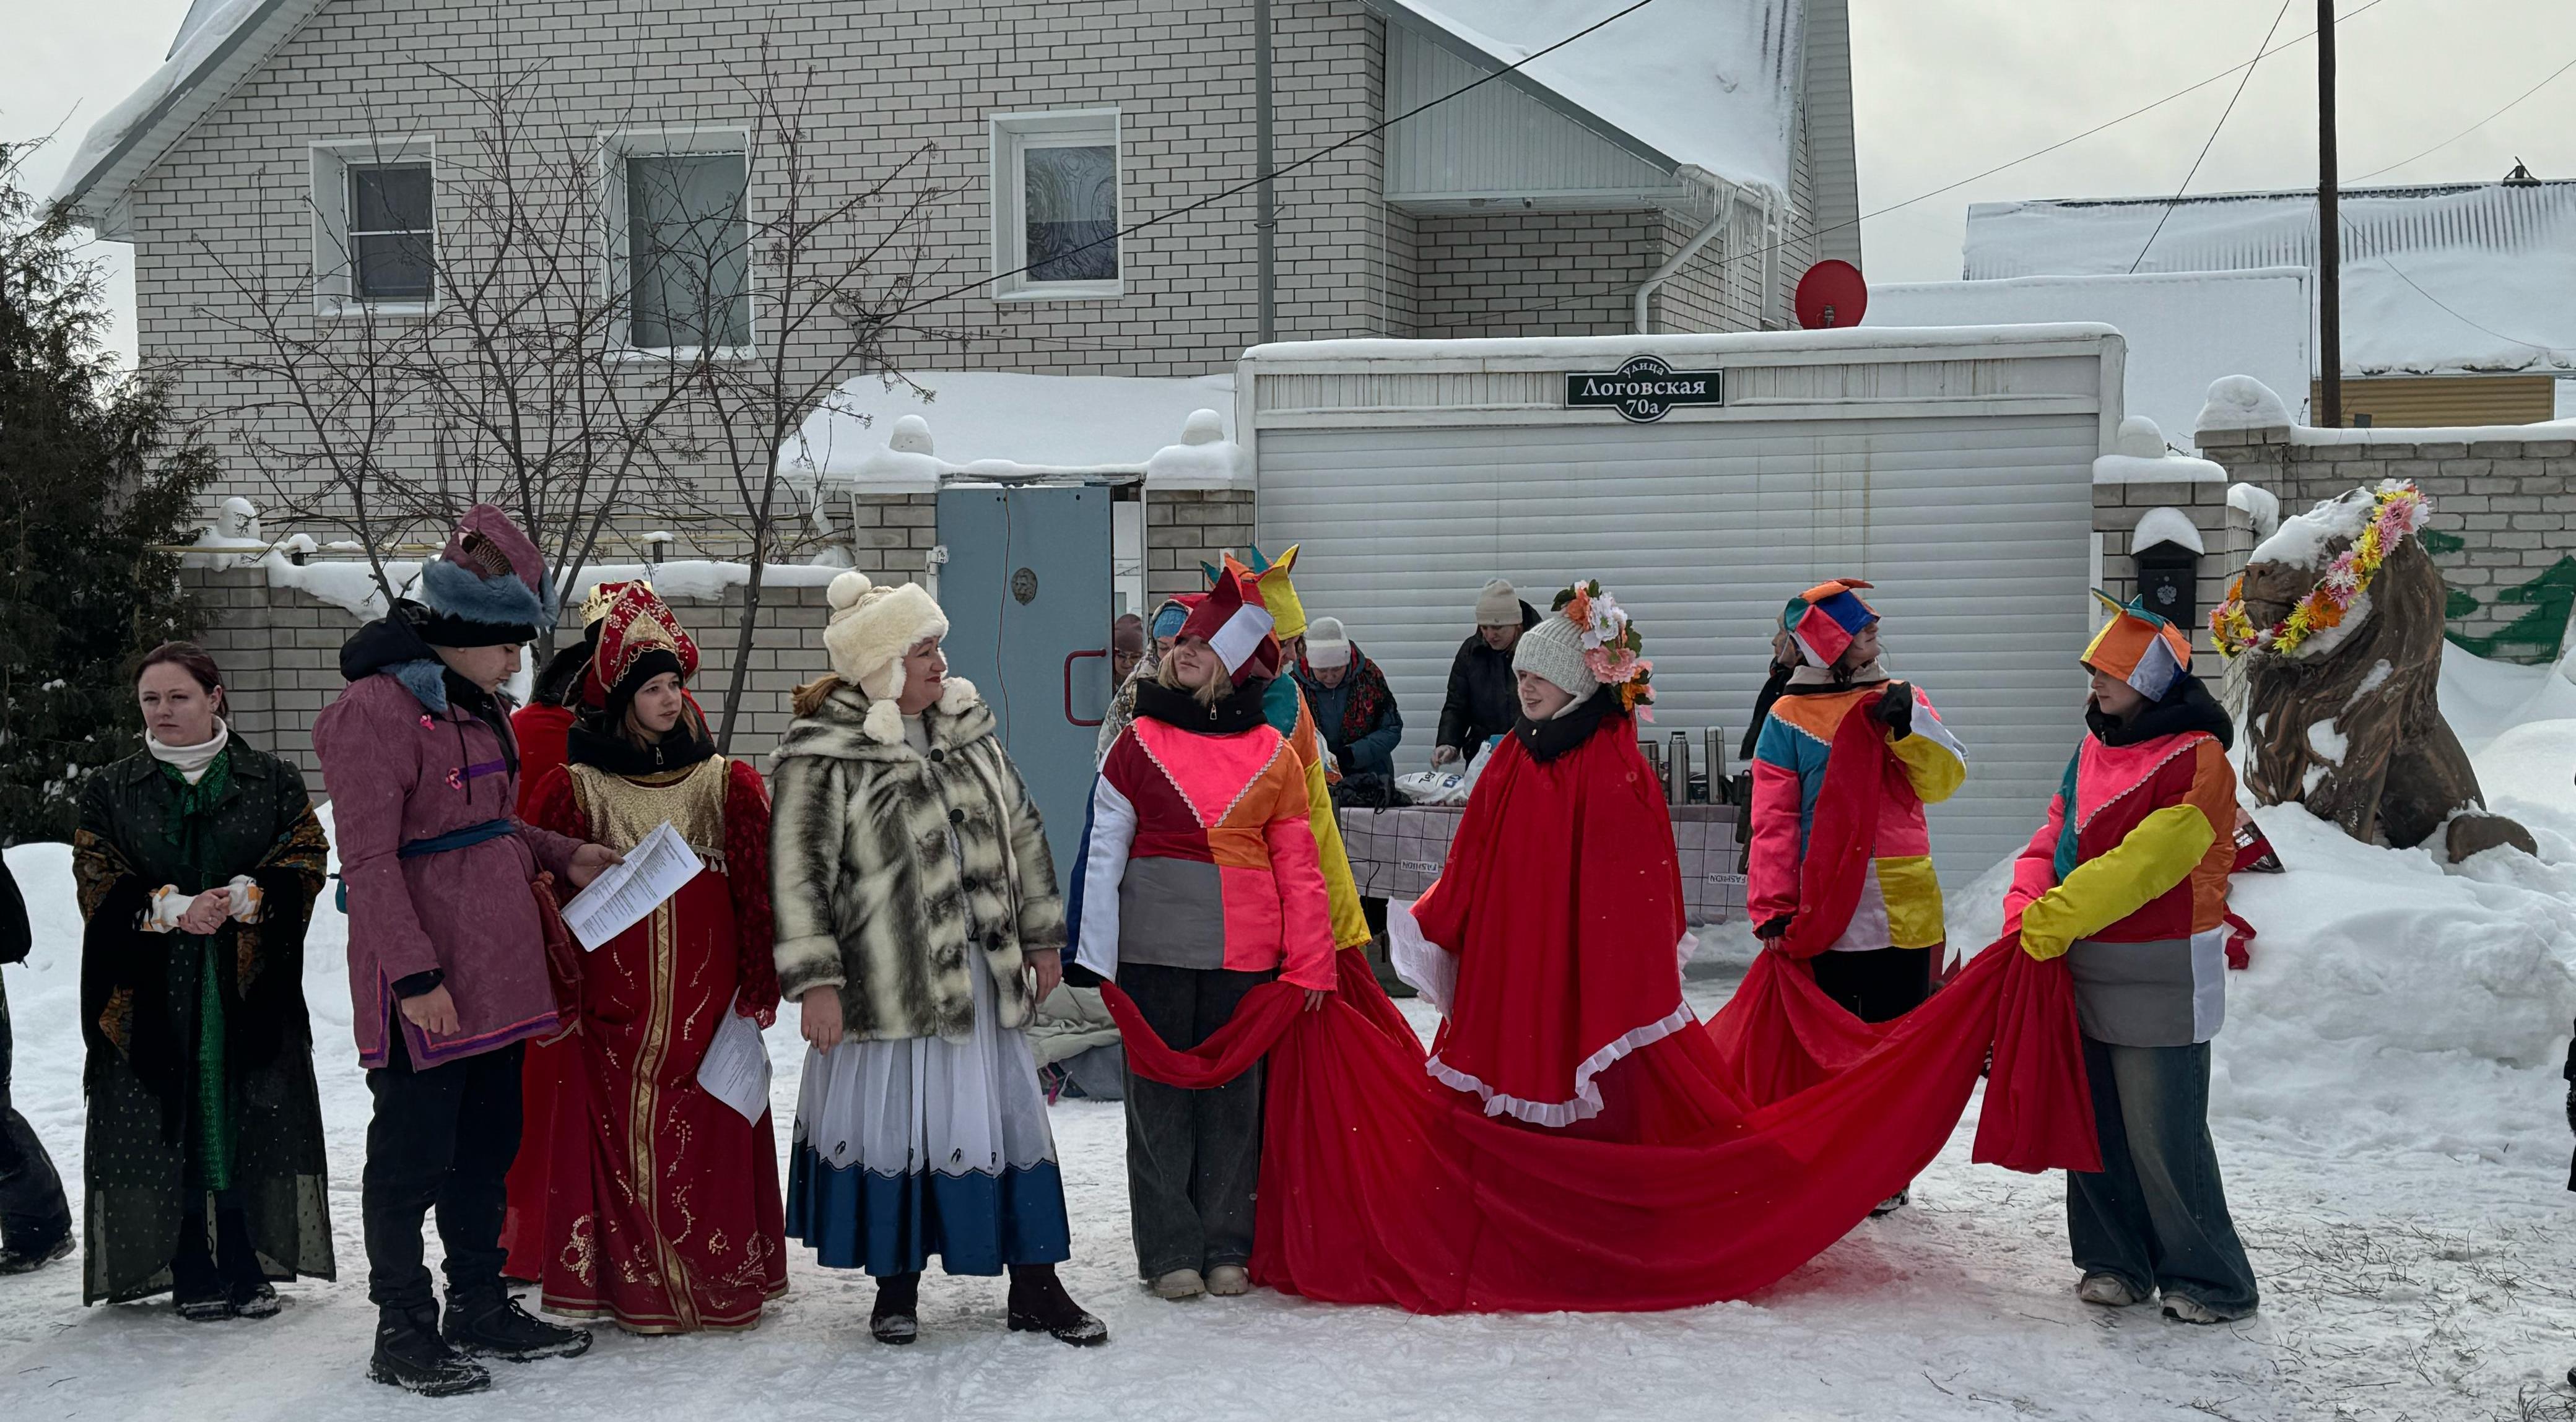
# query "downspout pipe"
(1266, 225)
(1725, 204)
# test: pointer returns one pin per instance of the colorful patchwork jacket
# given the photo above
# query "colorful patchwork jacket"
(1285, 707)
(1200, 852)
(1900, 901)
(2130, 869)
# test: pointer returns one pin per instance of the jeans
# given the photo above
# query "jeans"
(2157, 1213)
(33, 1213)
(442, 1137)
(1193, 1157)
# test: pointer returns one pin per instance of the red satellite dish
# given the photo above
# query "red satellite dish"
(1832, 293)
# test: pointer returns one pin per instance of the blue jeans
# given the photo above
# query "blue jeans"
(2157, 1213)
(33, 1213)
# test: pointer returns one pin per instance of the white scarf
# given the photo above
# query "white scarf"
(191, 761)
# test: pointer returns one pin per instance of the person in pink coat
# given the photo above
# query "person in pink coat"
(447, 958)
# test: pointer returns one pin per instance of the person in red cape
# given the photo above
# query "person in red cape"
(1550, 942)
(661, 1207)
(2126, 881)
(1198, 882)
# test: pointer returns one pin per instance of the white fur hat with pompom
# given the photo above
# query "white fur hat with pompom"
(873, 625)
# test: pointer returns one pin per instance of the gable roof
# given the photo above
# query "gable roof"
(220, 43)
(1711, 84)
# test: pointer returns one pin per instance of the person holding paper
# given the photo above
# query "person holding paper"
(653, 1204)
(918, 925)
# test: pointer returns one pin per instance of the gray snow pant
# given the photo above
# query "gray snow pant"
(1193, 1157)
(2157, 1213)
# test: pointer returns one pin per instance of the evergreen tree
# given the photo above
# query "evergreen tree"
(94, 471)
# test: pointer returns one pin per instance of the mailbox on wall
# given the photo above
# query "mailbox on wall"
(2166, 550)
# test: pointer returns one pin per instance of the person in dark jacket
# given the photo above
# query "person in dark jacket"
(1354, 709)
(1484, 695)
(197, 862)
(35, 1220)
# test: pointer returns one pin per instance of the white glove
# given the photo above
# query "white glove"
(167, 908)
(246, 898)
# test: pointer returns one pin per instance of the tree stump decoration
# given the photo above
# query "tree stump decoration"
(2333, 636)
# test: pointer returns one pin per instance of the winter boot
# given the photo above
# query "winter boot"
(2107, 1290)
(897, 1317)
(410, 1355)
(493, 1325)
(1039, 1304)
(1229, 1281)
(28, 1258)
(246, 1285)
(2184, 1308)
(1179, 1284)
(1890, 1205)
(196, 1285)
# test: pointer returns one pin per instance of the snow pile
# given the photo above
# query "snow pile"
(1204, 459)
(2241, 402)
(878, 434)
(2166, 525)
(2140, 456)
(350, 585)
(2301, 540)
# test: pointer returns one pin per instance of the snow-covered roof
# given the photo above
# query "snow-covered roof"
(2185, 329)
(2467, 278)
(1002, 424)
(219, 44)
(1711, 84)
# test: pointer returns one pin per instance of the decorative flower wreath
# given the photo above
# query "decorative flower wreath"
(2398, 511)
(1611, 645)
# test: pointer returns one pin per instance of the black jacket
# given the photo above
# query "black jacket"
(1484, 697)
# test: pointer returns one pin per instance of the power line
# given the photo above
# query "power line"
(2241, 81)
(2472, 128)
(1278, 173)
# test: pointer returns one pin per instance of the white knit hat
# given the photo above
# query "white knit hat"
(1328, 644)
(872, 626)
(1554, 650)
(1499, 605)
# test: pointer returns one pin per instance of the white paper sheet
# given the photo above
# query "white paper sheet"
(623, 893)
(735, 1070)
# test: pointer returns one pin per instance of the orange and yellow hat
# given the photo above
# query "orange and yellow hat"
(2139, 647)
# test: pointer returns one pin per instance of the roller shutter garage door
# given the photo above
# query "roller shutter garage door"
(1976, 530)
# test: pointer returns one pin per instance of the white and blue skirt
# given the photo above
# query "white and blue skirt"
(920, 1146)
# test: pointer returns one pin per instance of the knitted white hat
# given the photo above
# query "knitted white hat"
(1498, 605)
(873, 625)
(1554, 650)
(1328, 644)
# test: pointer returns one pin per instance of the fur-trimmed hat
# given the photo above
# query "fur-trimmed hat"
(2138, 647)
(1825, 618)
(487, 587)
(872, 626)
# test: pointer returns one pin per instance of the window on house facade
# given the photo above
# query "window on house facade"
(680, 230)
(375, 226)
(1056, 205)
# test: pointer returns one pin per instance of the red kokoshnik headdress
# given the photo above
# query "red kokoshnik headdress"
(639, 638)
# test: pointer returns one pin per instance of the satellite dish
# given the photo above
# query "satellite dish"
(1832, 293)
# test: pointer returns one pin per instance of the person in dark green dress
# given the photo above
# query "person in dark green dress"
(198, 861)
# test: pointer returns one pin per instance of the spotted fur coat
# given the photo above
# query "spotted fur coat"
(871, 899)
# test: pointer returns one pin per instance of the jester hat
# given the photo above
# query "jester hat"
(2138, 647)
(1234, 624)
(1825, 618)
(1270, 586)
(639, 639)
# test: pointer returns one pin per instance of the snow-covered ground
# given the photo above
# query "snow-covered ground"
(2387, 1109)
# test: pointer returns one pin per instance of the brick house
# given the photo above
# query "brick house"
(1686, 163)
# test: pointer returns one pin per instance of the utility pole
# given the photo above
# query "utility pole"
(1266, 225)
(2329, 229)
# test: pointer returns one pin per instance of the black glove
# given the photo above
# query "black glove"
(2571, 1108)
(1895, 710)
(1778, 927)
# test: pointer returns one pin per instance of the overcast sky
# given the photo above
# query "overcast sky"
(1943, 89)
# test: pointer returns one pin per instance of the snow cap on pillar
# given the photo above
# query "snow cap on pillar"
(1825, 618)
(2138, 647)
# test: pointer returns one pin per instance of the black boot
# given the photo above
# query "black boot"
(410, 1355)
(494, 1326)
(896, 1318)
(1039, 1304)
(246, 1285)
(28, 1257)
(196, 1285)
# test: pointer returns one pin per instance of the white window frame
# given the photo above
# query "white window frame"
(1013, 134)
(334, 267)
(615, 147)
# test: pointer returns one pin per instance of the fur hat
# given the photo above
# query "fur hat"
(1825, 618)
(2138, 647)
(487, 587)
(872, 626)
(1499, 605)
(1235, 626)
(1554, 650)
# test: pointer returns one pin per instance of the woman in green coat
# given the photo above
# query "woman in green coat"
(198, 860)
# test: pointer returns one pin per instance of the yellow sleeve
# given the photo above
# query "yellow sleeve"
(2105, 889)
(1350, 926)
(1935, 763)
